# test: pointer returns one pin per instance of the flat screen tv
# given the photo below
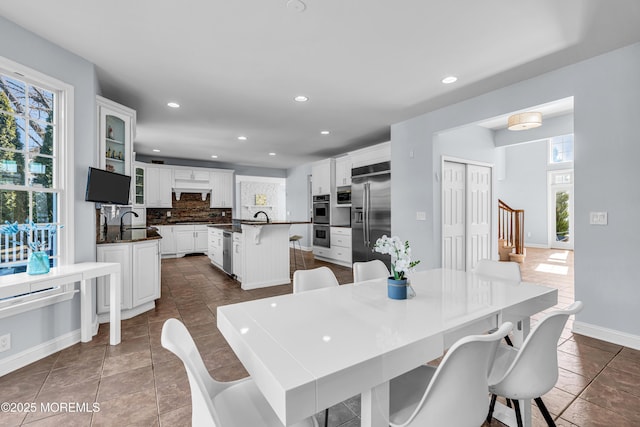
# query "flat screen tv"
(107, 187)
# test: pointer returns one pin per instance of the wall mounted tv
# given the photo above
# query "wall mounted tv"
(107, 187)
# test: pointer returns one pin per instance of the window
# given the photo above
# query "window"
(561, 149)
(31, 142)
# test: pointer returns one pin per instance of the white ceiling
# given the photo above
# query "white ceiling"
(235, 65)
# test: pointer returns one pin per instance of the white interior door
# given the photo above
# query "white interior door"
(478, 215)
(466, 214)
(453, 215)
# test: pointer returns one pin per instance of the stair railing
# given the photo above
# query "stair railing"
(511, 226)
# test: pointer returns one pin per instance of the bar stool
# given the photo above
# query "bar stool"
(296, 238)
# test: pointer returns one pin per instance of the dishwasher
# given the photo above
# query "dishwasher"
(227, 252)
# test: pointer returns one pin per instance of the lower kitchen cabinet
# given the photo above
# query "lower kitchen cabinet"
(215, 246)
(140, 277)
(191, 239)
(168, 242)
(340, 250)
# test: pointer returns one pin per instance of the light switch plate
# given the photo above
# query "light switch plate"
(598, 218)
(421, 216)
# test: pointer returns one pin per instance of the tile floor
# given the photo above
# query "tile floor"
(139, 383)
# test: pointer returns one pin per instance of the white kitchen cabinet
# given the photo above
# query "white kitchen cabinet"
(221, 189)
(180, 174)
(371, 155)
(191, 239)
(343, 171)
(168, 242)
(341, 245)
(237, 256)
(216, 246)
(323, 175)
(138, 185)
(140, 276)
(158, 187)
(116, 131)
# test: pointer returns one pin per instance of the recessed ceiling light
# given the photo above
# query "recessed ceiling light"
(272, 154)
(214, 156)
(301, 98)
(155, 150)
(242, 138)
(449, 79)
(173, 104)
(325, 132)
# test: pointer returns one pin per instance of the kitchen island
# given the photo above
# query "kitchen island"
(263, 249)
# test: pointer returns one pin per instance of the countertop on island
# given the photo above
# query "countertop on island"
(236, 226)
(129, 235)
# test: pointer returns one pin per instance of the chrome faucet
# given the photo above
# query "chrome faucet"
(122, 219)
(265, 214)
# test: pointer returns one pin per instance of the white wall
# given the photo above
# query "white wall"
(298, 208)
(34, 328)
(247, 187)
(606, 107)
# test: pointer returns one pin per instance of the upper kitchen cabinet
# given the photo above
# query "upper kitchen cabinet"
(138, 183)
(116, 130)
(323, 175)
(343, 171)
(221, 189)
(158, 187)
(191, 175)
(371, 155)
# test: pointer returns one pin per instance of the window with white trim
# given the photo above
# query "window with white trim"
(561, 149)
(30, 186)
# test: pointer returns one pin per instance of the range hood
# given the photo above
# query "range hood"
(191, 189)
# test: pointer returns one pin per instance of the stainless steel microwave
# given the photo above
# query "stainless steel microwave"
(343, 195)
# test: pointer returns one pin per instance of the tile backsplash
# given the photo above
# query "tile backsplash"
(190, 208)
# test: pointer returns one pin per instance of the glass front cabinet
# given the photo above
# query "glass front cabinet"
(116, 130)
(138, 185)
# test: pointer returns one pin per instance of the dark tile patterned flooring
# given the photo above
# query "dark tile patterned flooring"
(139, 383)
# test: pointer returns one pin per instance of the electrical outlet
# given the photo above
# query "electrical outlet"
(168, 214)
(224, 213)
(5, 342)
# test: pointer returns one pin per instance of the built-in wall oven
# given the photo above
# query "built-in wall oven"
(321, 235)
(321, 209)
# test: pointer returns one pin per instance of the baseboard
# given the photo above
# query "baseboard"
(38, 352)
(605, 334)
(128, 314)
(536, 245)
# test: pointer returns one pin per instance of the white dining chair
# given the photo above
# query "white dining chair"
(219, 404)
(455, 393)
(498, 269)
(532, 370)
(308, 280)
(369, 270)
(317, 278)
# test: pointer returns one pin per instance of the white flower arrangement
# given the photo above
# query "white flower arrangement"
(401, 262)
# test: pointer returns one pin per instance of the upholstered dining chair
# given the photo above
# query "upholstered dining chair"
(499, 269)
(532, 370)
(219, 404)
(370, 270)
(308, 280)
(455, 393)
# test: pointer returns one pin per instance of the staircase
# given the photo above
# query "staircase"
(510, 233)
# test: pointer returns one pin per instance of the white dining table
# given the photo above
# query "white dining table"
(311, 350)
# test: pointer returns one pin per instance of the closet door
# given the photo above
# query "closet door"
(466, 214)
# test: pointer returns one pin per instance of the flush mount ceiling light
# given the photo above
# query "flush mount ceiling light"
(449, 79)
(173, 104)
(242, 138)
(524, 121)
(301, 98)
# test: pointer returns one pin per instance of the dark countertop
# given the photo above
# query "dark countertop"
(130, 235)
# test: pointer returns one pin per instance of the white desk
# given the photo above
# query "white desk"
(22, 283)
(311, 350)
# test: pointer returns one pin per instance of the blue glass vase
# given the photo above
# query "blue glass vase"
(396, 289)
(38, 263)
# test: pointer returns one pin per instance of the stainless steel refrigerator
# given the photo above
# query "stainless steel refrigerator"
(370, 210)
